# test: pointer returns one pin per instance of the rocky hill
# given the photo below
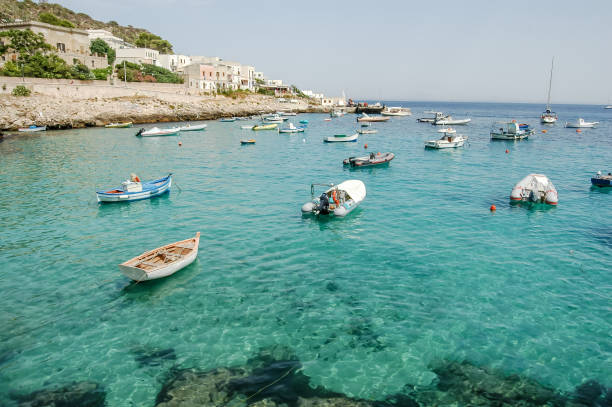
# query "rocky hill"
(26, 10)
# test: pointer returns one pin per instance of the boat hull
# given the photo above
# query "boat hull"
(601, 182)
(440, 145)
(342, 139)
(32, 129)
(159, 187)
(366, 161)
(194, 128)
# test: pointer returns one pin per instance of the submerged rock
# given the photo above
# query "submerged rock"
(146, 356)
(592, 394)
(77, 394)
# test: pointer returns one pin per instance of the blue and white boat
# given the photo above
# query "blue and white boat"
(601, 180)
(32, 129)
(134, 190)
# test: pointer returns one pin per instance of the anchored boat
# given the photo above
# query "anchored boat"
(580, 123)
(448, 120)
(264, 127)
(292, 129)
(365, 118)
(118, 125)
(509, 131)
(396, 111)
(449, 139)
(602, 180)
(163, 261)
(339, 200)
(32, 129)
(436, 115)
(339, 138)
(133, 190)
(196, 127)
(228, 119)
(369, 160)
(367, 131)
(156, 131)
(536, 188)
(548, 116)
(249, 141)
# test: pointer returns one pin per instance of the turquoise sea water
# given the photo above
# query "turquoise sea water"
(421, 272)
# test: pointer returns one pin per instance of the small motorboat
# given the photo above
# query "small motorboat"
(580, 124)
(449, 139)
(509, 131)
(249, 141)
(228, 119)
(196, 127)
(448, 121)
(367, 131)
(339, 138)
(156, 131)
(336, 113)
(366, 118)
(119, 125)
(369, 160)
(396, 111)
(163, 261)
(602, 180)
(339, 200)
(133, 190)
(304, 121)
(288, 113)
(272, 126)
(275, 118)
(436, 115)
(247, 127)
(292, 129)
(535, 188)
(32, 129)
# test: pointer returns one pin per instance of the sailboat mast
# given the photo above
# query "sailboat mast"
(552, 64)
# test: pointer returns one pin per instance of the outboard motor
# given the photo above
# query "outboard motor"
(324, 204)
(139, 132)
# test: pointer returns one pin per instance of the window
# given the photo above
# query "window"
(61, 47)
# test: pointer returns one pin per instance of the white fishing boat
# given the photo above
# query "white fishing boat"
(163, 261)
(548, 116)
(291, 128)
(449, 121)
(339, 138)
(195, 127)
(275, 118)
(536, 188)
(339, 200)
(509, 131)
(396, 111)
(449, 139)
(156, 131)
(366, 118)
(580, 123)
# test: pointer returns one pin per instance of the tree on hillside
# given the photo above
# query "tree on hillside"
(148, 40)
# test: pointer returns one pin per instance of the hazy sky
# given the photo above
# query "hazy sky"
(403, 50)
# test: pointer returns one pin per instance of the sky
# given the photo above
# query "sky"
(482, 51)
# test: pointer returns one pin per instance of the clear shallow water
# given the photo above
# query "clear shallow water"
(421, 272)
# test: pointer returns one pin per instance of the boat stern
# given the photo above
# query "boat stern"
(133, 273)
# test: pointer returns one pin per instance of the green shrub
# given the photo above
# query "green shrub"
(21, 90)
(54, 20)
(101, 73)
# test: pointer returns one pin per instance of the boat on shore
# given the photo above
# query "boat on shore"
(396, 111)
(548, 116)
(449, 139)
(249, 141)
(371, 160)
(509, 131)
(339, 200)
(366, 118)
(134, 190)
(163, 261)
(580, 124)
(195, 127)
(600, 180)
(119, 125)
(156, 132)
(339, 138)
(271, 126)
(292, 129)
(535, 188)
(32, 129)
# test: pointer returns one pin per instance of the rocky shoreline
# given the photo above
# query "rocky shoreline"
(274, 378)
(63, 113)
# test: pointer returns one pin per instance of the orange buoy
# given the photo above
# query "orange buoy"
(507, 151)
(365, 146)
(543, 131)
(180, 143)
(578, 131)
(493, 208)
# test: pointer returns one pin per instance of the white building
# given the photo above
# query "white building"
(205, 60)
(274, 82)
(247, 77)
(174, 63)
(259, 76)
(137, 56)
(108, 37)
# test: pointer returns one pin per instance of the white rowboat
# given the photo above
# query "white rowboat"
(580, 124)
(156, 131)
(196, 127)
(163, 261)
(338, 138)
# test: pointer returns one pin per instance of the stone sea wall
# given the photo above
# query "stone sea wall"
(75, 104)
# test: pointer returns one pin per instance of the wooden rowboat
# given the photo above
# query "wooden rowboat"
(163, 261)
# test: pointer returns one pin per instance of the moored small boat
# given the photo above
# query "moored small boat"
(580, 123)
(275, 118)
(339, 138)
(436, 115)
(118, 125)
(163, 261)
(156, 131)
(32, 129)
(366, 118)
(265, 127)
(304, 121)
(249, 141)
(536, 188)
(509, 131)
(369, 160)
(449, 139)
(228, 119)
(602, 180)
(339, 200)
(195, 127)
(396, 111)
(367, 131)
(292, 129)
(448, 121)
(134, 190)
